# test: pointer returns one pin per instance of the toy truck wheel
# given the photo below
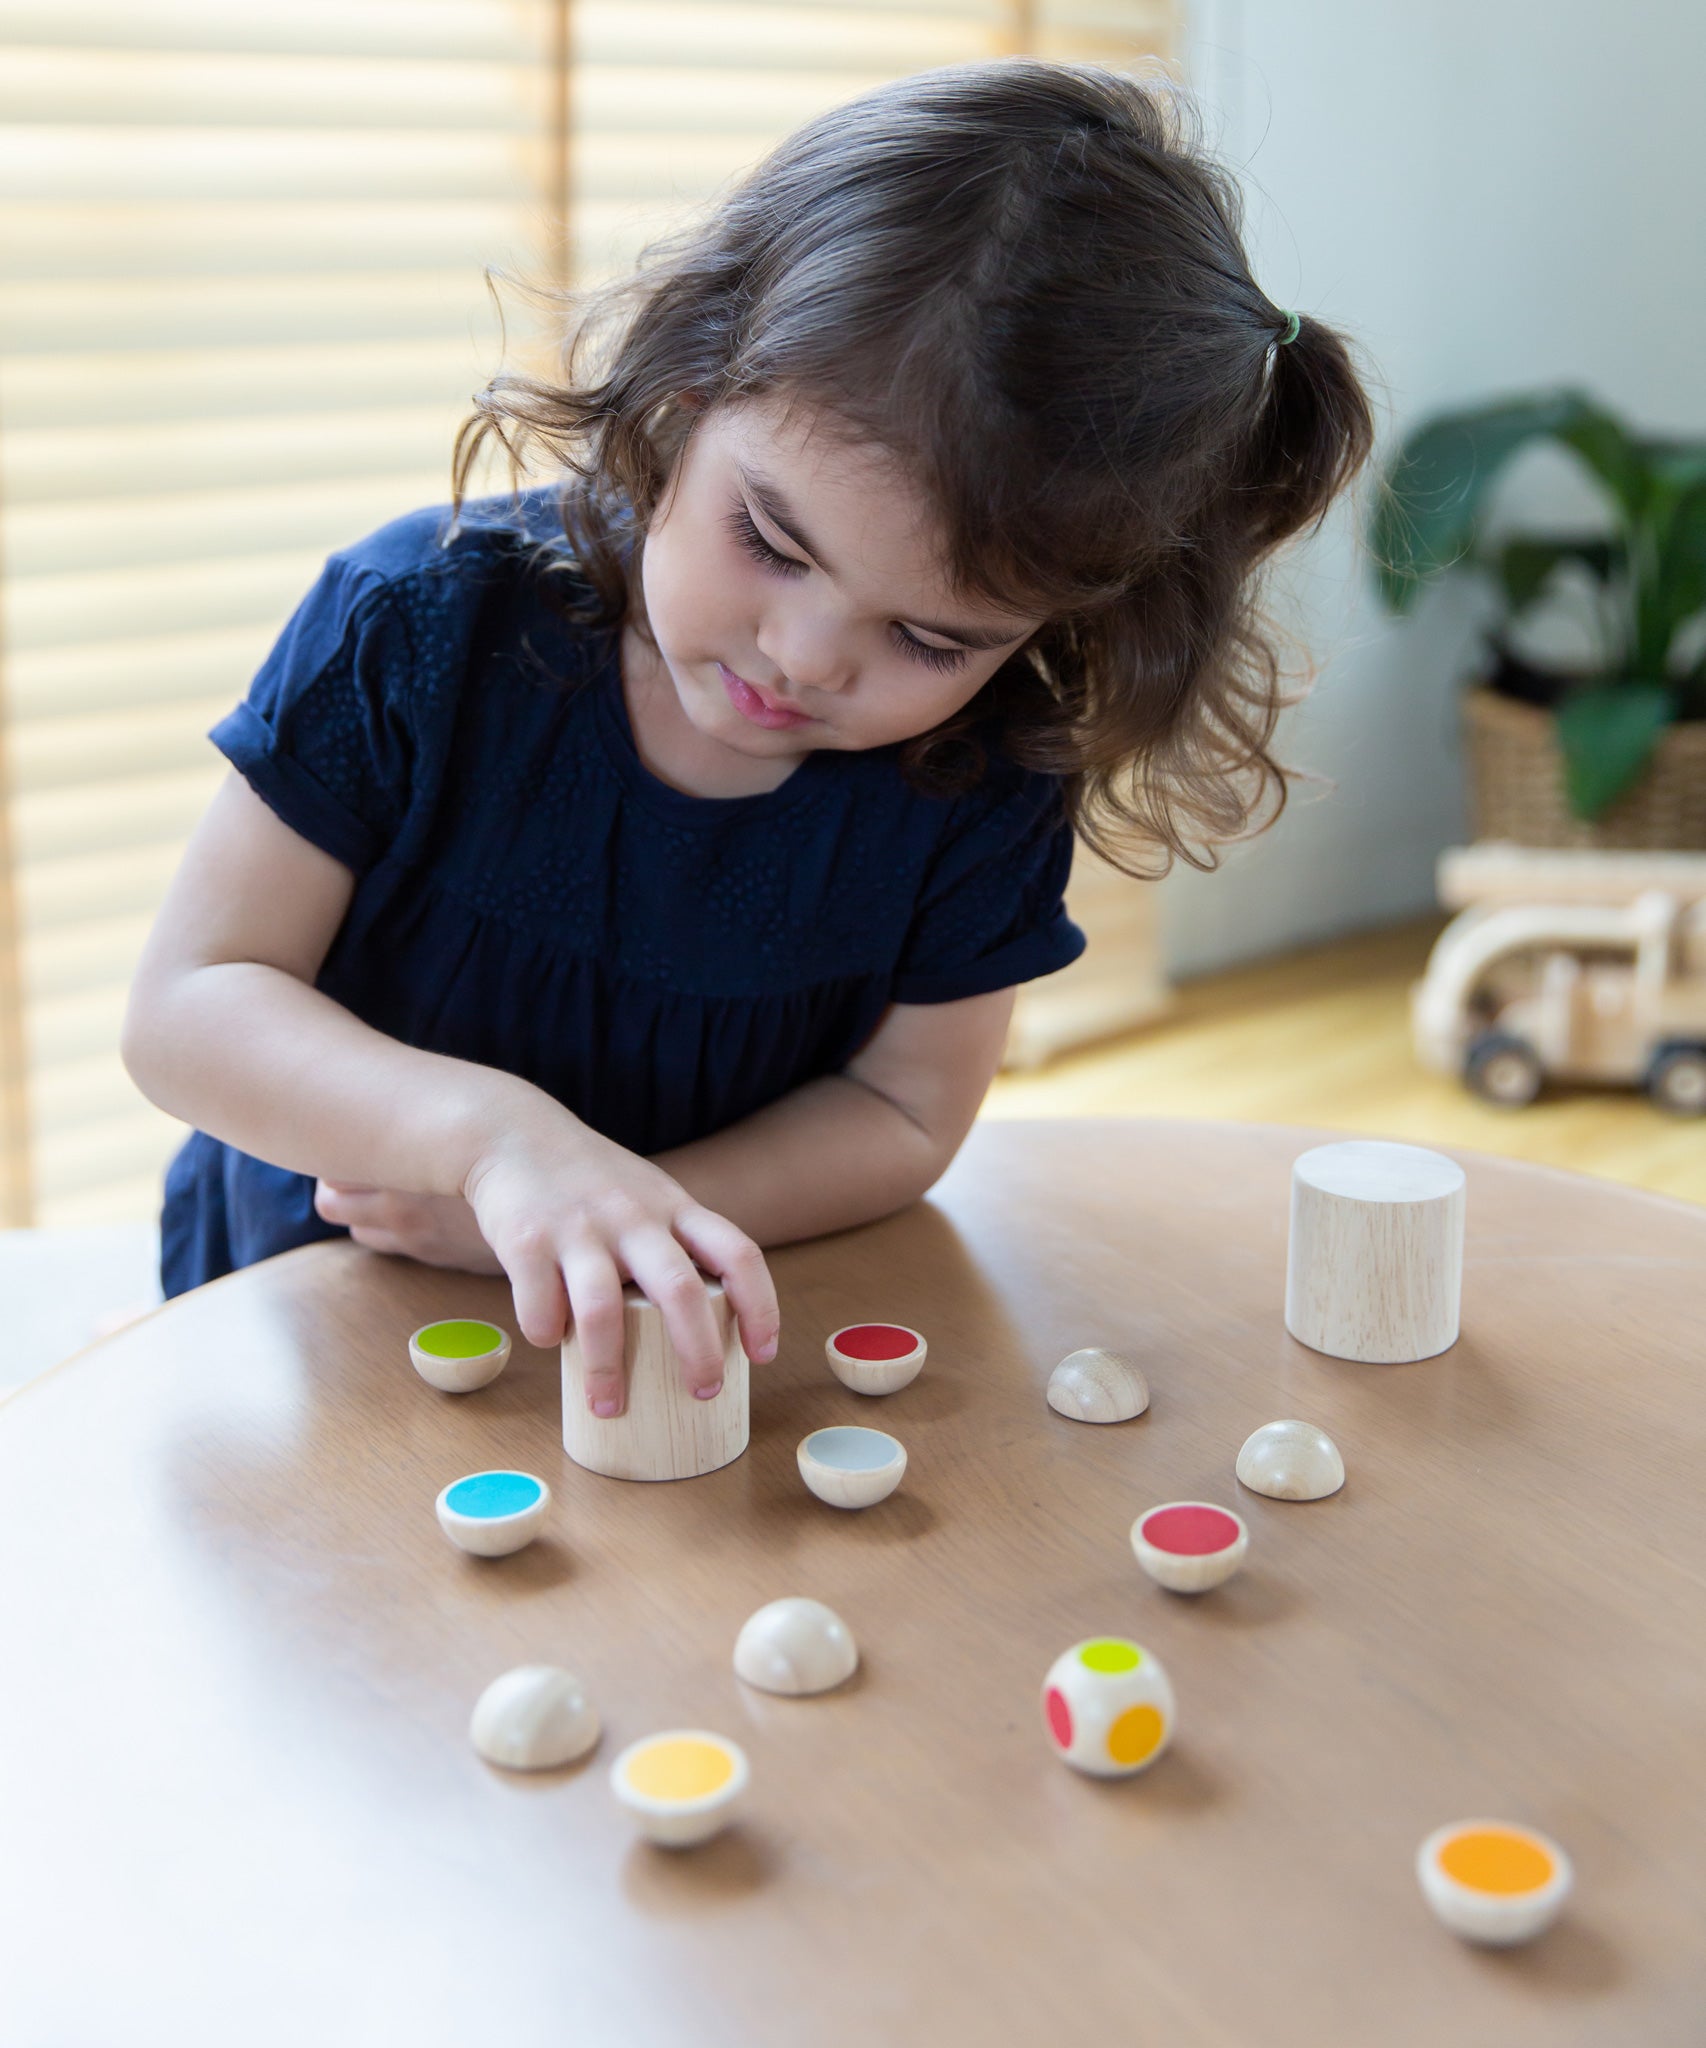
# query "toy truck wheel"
(1503, 1069)
(1677, 1080)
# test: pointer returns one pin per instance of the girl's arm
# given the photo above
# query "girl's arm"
(860, 1144)
(835, 1152)
(226, 1030)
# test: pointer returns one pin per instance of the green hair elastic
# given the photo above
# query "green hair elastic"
(1292, 324)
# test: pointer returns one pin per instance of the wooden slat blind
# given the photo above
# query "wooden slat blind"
(241, 250)
(241, 312)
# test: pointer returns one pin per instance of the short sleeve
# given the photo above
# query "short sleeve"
(328, 734)
(993, 910)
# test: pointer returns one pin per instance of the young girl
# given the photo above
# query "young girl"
(636, 872)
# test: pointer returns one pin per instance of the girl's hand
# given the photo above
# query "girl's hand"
(571, 1216)
(439, 1230)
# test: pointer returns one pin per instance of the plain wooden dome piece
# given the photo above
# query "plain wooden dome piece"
(1291, 1461)
(663, 1432)
(1374, 1268)
(533, 1719)
(795, 1646)
(1096, 1386)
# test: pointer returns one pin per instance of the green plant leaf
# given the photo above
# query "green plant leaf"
(1681, 575)
(1429, 503)
(1525, 566)
(1680, 466)
(1668, 550)
(1608, 734)
(1615, 456)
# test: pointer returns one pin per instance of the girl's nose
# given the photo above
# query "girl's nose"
(810, 653)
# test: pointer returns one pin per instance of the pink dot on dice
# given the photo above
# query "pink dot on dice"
(1059, 1717)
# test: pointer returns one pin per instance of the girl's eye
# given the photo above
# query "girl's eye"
(943, 658)
(748, 537)
(752, 542)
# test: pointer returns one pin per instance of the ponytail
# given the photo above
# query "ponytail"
(1312, 435)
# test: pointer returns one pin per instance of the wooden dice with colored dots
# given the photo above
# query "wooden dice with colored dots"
(1108, 1706)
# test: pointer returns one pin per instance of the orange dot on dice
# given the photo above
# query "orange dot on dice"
(1136, 1735)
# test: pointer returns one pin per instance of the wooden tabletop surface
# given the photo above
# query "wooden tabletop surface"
(238, 1802)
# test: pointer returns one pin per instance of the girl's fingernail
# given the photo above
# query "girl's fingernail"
(709, 1393)
(766, 1351)
(605, 1407)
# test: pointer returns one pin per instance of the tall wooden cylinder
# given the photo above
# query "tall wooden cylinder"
(1375, 1265)
(663, 1433)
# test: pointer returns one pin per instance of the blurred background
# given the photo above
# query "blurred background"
(244, 307)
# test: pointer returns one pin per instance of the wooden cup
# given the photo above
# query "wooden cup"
(663, 1433)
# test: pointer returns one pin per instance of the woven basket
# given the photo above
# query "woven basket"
(1516, 784)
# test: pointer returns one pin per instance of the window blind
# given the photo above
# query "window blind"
(669, 98)
(242, 310)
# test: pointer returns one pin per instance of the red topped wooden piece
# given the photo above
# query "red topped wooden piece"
(1190, 1531)
(875, 1340)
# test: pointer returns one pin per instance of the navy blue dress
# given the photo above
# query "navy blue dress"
(528, 895)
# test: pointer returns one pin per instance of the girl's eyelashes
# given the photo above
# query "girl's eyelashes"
(752, 542)
(943, 658)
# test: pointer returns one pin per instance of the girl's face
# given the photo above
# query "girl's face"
(791, 582)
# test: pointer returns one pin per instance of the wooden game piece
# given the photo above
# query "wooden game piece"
(1375, 1266)
(491, 1514)
(1576, 964)
(1492, 1882)
(457, 1357)
(682, 1786)
(1108, 1706)
(1095, 1386)
(1189, 1546)
(1291, 1461)
(533, 1719)
(663, 1432)
(875, 1358)
(795, 1646)
(851, 1467)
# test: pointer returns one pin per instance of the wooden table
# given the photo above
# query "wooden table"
(237, 1800)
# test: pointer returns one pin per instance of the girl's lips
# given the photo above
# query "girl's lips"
(751, 703)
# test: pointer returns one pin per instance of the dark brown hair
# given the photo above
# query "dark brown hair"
(1025, 281)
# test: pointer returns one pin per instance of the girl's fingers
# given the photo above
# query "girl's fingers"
(339, 1204)
(595, 1305)
(671, 1279)
(721, 1247)
(378, 1241)
(536, 1281)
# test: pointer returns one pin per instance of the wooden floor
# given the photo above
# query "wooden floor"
(1322, 1037)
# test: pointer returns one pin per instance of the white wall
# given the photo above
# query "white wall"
(1488, 196)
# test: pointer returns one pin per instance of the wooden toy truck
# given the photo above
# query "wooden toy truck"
(1582, 966)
